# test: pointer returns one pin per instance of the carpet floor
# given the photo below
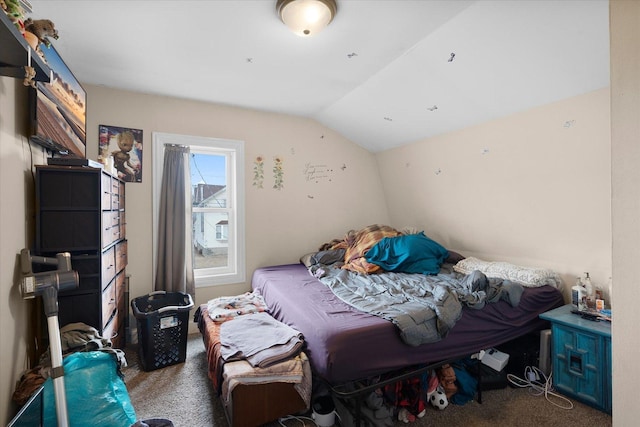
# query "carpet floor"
(183, 394)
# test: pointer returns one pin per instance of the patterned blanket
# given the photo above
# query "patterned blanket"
(357, 243)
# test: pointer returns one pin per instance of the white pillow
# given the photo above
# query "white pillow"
(527, 276)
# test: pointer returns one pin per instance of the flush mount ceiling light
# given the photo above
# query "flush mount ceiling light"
(306, 17)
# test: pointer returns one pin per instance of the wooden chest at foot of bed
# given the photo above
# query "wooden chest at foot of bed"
(253, 396)
(257, 404)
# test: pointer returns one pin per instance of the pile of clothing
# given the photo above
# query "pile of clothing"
(255, 348)
(253, 335)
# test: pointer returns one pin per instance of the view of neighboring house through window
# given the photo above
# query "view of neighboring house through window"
(217, 206)
(210, 211)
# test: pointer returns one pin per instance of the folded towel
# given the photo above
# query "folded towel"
(260, 339)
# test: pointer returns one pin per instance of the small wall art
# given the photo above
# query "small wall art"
(258, 172)
(122, 148)
(278, 173)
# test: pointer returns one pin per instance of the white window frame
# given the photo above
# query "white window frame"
(234, 151)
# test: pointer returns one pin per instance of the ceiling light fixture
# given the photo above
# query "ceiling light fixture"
(306, 17)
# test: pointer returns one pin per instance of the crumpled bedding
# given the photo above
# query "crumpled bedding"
(424, 308)
(357, 243)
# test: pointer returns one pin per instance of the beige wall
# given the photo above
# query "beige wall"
(16, 232)
(281, 225)
(532, 188)
(625, 205)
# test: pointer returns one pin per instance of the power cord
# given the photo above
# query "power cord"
(302, 419)
(539, 384)
(297, 418)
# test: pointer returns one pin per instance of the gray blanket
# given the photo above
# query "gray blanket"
(424, 308)
(258, 338)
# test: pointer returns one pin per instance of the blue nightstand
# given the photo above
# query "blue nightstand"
(581, 357)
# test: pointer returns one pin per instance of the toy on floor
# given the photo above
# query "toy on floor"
(447, 378)
(438, 399)
(435, 394)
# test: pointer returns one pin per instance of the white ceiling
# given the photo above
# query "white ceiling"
(374, 75)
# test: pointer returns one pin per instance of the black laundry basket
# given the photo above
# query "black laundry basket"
(163, 320)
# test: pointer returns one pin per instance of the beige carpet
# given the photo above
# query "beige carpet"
(183, 394)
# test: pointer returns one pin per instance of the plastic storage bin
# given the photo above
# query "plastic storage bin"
(163, 320)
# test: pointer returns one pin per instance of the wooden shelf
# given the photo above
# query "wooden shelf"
(16, 53)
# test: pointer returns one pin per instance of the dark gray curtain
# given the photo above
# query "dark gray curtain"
(174, 270)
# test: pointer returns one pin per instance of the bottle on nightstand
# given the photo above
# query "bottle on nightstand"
(578, 295)
(591, 299)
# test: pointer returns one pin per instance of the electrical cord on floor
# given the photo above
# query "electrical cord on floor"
(302, 419)
(539, 385)
(297, 418)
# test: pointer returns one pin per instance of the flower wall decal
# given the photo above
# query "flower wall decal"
(278, 173)
(258, 172)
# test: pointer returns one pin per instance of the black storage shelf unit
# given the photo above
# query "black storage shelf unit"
(81, 210)
(15, 53)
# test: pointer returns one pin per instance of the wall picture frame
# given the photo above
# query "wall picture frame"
(120, 150)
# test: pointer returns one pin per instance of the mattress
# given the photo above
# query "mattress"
(344, 344)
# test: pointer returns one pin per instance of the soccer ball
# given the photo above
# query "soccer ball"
(439, 400)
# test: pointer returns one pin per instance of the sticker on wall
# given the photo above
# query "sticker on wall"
(317, 172)
(258, 172)
(278, 173)
(569, 123)
(120, 150)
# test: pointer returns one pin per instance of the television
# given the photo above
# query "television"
(58, 110)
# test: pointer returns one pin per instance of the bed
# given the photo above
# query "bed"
(354, 345)
(345, 344)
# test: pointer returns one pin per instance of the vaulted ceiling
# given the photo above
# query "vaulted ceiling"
(383, 73)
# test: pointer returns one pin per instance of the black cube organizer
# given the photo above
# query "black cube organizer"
(163, 323)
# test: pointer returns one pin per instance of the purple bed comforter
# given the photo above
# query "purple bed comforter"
(345, 344)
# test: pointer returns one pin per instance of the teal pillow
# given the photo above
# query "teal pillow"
(411, 253)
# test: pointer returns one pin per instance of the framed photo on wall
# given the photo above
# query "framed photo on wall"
(122, 148)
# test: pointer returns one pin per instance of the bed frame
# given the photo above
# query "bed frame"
(354, 353)
(343, 343)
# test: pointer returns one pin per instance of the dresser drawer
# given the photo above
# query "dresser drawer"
(108, 266)
(110, 330)
(123, 224)
(115, 202)
(107, 225)
(108, 303)
(120, 287)
(121, 255)
(106, 192)
(121, 193)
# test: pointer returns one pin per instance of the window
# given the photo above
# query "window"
(217, 205)
(222, 230)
